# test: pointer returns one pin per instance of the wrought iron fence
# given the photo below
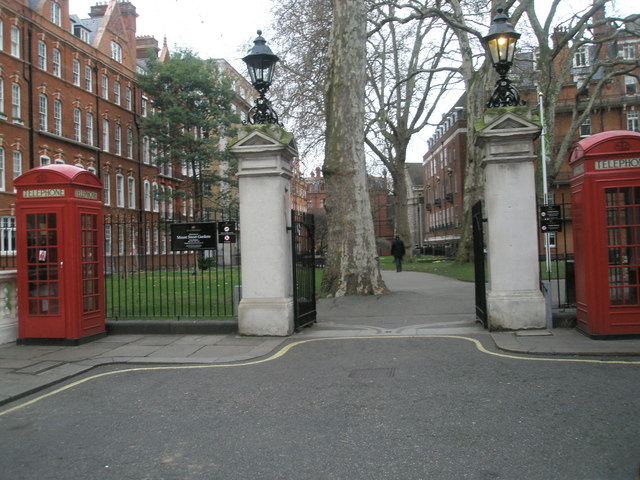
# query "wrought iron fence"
(557, 267)
(146, 279)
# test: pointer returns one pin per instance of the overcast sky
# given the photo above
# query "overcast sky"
(212, 28)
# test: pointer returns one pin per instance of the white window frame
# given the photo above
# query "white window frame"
(45, 160)
(16, 101)
(633, 121)
(129, 143)
(88, 78)
(106, 188)
(15, 41)
(56, 14)
(146, 151)
(581, 57)
(583, 127)
(42, 55)
(144, 106)
(119, 190)
(17, 163)
(7, 235)
(43, 112)
(147, 196)
(90, 132)
(127, 98)
(116, 92)
(57, 117)
(107, 240)
(77, 124)
(2, 111)
(131, 192)
(630, 85)
(75, 69)
(56, 62)
(105, 86)
(105, 135)
(116, 51)
(117, 139)
(156, 202)
(169, 203)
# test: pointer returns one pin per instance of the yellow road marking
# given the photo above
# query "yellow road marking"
(284, 350)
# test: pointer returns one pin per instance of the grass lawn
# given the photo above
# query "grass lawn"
(437, 265)
(171, 294)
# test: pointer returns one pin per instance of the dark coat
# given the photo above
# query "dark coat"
(397, 248)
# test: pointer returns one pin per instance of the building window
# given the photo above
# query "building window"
(156, 202)
(105, 135)
(55, 62)
(55, 14)
(75, 75)
(116, 51)
(632, 121)
(163, 204)
(144, 106)
(147, 196)
(1, 35)
(1, 92)
(119, 191)
(585, 128)
(57, 117)
(117, 139)
(77, 125)
(146, 151)
(43, 112)
(2, 170)
(628, 51)
(581, 57)
(131, 192)
(44, 160)
(116, 93)
(129, 143)
(105, 86)
(8, 235)
(169, 202)
(15, 41)
(17, 163)
(15, 101)
(89, 128)
(88, 79)
(630, 85)
(42, 55)
(106, 188)
(127, 98)
(107, 240)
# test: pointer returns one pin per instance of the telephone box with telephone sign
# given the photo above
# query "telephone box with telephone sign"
(605, 197)
(59, 241)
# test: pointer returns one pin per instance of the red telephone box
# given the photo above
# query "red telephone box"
(605, 197)
(59, 241)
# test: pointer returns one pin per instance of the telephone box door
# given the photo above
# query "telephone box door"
(45, 270)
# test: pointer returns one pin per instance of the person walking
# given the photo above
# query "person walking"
(398, 251)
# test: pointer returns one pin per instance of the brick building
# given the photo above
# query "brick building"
(68, 94)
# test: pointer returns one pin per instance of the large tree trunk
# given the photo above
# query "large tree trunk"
(352, 265)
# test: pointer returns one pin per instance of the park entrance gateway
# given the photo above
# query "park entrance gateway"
(59, 255)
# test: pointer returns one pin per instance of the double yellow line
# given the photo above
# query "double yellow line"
(284, 350)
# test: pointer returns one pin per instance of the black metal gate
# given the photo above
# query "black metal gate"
(479, 258)
(304, 281)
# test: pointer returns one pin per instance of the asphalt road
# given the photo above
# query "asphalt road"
(384, 408)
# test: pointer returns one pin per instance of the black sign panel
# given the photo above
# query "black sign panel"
(550, 218)
(193, 236)
(226, 232)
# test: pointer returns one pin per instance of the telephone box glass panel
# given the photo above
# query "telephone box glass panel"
(42, 264)
(623, 243)
(89, 260)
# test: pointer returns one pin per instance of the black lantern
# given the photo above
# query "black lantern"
(501, 42)
(261, 63)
